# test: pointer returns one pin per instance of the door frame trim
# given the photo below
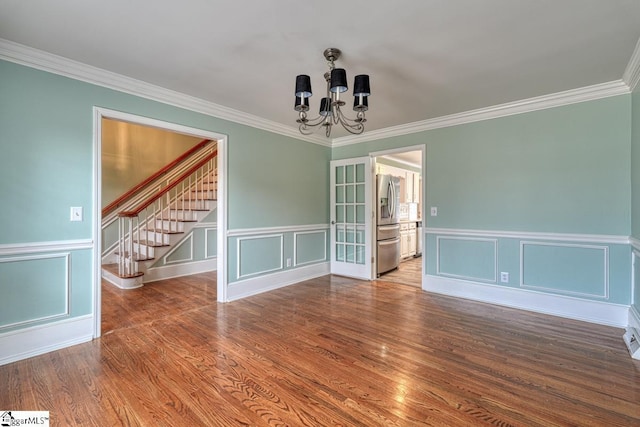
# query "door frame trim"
(100, 113)
(423, 210)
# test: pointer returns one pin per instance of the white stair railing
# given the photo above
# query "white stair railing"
(150, 224)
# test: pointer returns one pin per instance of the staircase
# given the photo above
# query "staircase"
(150, 226)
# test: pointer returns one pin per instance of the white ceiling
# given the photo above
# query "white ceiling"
(426, 58)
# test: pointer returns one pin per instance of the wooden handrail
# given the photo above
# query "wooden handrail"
(111, 206)
(168, 188)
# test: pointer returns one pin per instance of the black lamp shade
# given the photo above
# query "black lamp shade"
(303, 86)
(361, 85)
(338, 80)
(325, 107)
(360, 103)
(302, 104)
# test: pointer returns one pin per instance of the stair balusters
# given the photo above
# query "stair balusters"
(149, 226)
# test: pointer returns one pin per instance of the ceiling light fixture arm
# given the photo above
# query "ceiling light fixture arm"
(331, 105)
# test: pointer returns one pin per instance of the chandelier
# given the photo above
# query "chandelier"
(330, 106)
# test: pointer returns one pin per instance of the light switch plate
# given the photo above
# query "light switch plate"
(434, 211)
(76, 213)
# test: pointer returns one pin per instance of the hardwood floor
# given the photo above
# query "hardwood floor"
(409, 272)
(328, 351)
(155, 301)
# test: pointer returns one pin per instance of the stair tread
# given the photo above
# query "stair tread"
(179, 220)
(200, 200)
(162, 231)
(151, 243)
(113, 269)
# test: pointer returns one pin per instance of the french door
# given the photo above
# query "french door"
(351, 218)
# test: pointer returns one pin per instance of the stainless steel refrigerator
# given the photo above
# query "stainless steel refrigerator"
(388, 223)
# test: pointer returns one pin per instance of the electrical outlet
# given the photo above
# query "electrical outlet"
(434, 211)
(76, 214)
(504, 277)
(288, 262)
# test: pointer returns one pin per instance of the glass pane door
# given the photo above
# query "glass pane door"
(350, 223)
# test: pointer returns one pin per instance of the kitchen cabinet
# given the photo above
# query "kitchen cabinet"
(412, 187)
(409, 187)
(403, 189)
(407, 239)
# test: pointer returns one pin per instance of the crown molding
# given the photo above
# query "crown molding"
(34, 58)
(631, 74)
(573, 96)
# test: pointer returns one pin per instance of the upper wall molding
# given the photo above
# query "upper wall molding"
(34, 58)
(631, 75)
(9, 249)
(532, 235)
(269, 230)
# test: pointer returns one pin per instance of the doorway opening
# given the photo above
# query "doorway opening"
(404, 167)
(101, 118)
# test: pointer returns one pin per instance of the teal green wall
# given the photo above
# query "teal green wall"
(635, 164)
(561, 170)
(46, 166)
(46, 133)
(573, 169)
(278, 181)
(635, 185)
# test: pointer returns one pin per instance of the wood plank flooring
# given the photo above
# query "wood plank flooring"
(409, 272)
(328, 352)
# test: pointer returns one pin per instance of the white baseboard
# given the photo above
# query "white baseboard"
(257, 285)
(177, 270)
(634, 317)
(36, 340)
(600, 312)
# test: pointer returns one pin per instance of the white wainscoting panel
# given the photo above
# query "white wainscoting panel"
(208, 230)
(297, 235)
(604, 294)
(439, 271)
(243, 240)
(186, 241)
(66, 259)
